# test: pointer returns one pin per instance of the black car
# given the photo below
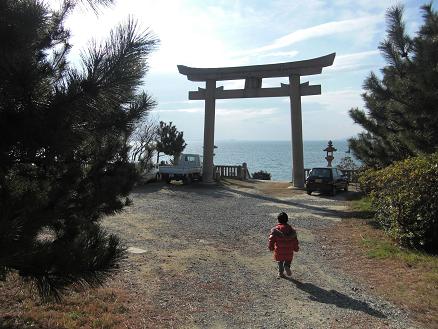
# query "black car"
(326, 180)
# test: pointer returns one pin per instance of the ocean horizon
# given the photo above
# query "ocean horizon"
(274, 157)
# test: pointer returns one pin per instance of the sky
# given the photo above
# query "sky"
(205, 33)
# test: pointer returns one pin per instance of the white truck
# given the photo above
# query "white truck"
(188, 169)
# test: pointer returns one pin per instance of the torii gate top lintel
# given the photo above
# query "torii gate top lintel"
(304, 67)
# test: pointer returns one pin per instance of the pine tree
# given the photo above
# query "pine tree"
(170, 141)
(63, 146)
(402, 116)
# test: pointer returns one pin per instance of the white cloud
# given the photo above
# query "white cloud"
(232, 84)
(291, 53)
(244, 114)
(189, 110)
(235, 114)
(335, 101)
(194, 35)
(176, 102)
(234, 33)
(321, 30)
(188, 34)
(353, 61)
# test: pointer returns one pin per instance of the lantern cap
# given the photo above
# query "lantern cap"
(330, 147)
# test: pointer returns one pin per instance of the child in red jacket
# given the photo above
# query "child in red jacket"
(283, 242)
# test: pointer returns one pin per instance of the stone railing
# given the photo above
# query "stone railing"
(239, 172)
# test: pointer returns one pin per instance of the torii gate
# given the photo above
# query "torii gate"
(253, 76)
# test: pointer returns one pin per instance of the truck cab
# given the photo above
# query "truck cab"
(189, 161)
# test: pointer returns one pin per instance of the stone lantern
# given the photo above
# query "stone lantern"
(329, 149)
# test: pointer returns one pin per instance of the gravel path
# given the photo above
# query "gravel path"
(207, 265)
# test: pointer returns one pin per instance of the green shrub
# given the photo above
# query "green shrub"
(261, 175)
(405, 198)
(367, 180)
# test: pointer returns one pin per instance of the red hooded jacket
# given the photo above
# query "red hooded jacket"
(283, 241)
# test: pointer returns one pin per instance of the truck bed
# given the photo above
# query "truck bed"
(179, 170)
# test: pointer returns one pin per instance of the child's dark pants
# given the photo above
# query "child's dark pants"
(282, 264)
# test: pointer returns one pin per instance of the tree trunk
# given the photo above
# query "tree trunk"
(176, 159)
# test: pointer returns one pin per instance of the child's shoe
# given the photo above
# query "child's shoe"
(280, 276)
(288, 271)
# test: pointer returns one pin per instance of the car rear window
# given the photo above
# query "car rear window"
(320, 172)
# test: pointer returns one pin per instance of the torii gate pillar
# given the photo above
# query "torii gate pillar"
(297, 131)
(209, 116)
(253, 76)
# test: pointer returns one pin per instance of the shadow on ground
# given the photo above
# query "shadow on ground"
(334, 297)
(350, 196)
(317, 210)
(222, 191)
(194, 188)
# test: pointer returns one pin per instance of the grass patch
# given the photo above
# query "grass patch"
(75, 315)
(104, 307)
(376, 248)
(362, 204)
(383, 247)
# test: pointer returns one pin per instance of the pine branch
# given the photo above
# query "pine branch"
(93, 4)
(397, 31)
(115, 69)
(92, 256)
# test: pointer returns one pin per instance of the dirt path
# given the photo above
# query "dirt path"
(206, 264)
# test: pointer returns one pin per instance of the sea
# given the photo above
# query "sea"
(271, 156)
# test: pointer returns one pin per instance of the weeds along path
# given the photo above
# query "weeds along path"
(206, 265)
